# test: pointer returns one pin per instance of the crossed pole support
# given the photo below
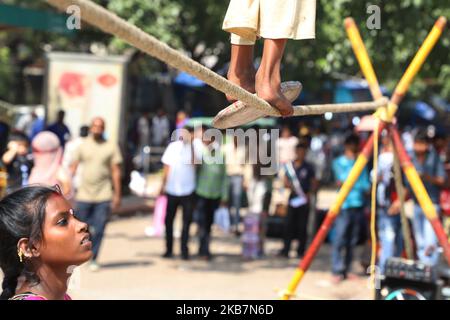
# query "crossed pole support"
(385, 117)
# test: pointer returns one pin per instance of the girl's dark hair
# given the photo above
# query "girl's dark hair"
(22, 215)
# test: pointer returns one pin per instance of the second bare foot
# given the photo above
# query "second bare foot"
(273, 95)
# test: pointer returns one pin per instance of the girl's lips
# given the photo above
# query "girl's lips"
(87, 244)
(86, 241)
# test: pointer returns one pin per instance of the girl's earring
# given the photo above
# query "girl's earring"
(20, 254)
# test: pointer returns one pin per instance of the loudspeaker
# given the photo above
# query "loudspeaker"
(409, 280)
(403, 289)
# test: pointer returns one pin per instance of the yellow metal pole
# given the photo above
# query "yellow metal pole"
(418, 60)
(363, 58)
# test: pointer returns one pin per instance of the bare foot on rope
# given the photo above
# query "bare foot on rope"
(242, 71)
(268, 79)
(273, 95)
(269, 89)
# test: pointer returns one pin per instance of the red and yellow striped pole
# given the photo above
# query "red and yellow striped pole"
(363, 58)
(353, 176)
(420, 192)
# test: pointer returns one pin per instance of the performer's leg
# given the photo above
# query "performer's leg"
(241, 70)
(268, 78)
(242, 20)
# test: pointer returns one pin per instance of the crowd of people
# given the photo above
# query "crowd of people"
(203, 189)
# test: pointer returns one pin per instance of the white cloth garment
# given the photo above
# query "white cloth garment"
(248, 20)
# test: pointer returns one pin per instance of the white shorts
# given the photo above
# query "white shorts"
(248, 20)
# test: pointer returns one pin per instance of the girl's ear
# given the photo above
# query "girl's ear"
(24, 246)
(23, 249)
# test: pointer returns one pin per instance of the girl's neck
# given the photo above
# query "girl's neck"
(52, 285)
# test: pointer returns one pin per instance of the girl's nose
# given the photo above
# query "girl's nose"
(82, 226)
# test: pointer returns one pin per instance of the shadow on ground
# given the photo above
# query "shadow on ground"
(125, 264)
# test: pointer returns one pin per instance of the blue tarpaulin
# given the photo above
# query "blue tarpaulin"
(424, 110)
(354, 91)
(188, 80)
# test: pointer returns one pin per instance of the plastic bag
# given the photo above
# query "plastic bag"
(137, 183)
(159, 216)
(222, 219)
(251, 244)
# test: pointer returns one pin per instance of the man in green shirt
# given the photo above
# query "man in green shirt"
(211, 190)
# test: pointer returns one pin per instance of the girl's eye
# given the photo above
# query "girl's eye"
(62, 222)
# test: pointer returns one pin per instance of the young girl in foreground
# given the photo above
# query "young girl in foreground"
(41, 240)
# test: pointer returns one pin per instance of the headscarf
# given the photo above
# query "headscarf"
(47, 153)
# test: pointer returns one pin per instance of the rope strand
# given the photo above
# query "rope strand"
(373, 209)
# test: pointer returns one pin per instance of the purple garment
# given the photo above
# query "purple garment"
(34, 297)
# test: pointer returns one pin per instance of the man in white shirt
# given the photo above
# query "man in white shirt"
(179, 186)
